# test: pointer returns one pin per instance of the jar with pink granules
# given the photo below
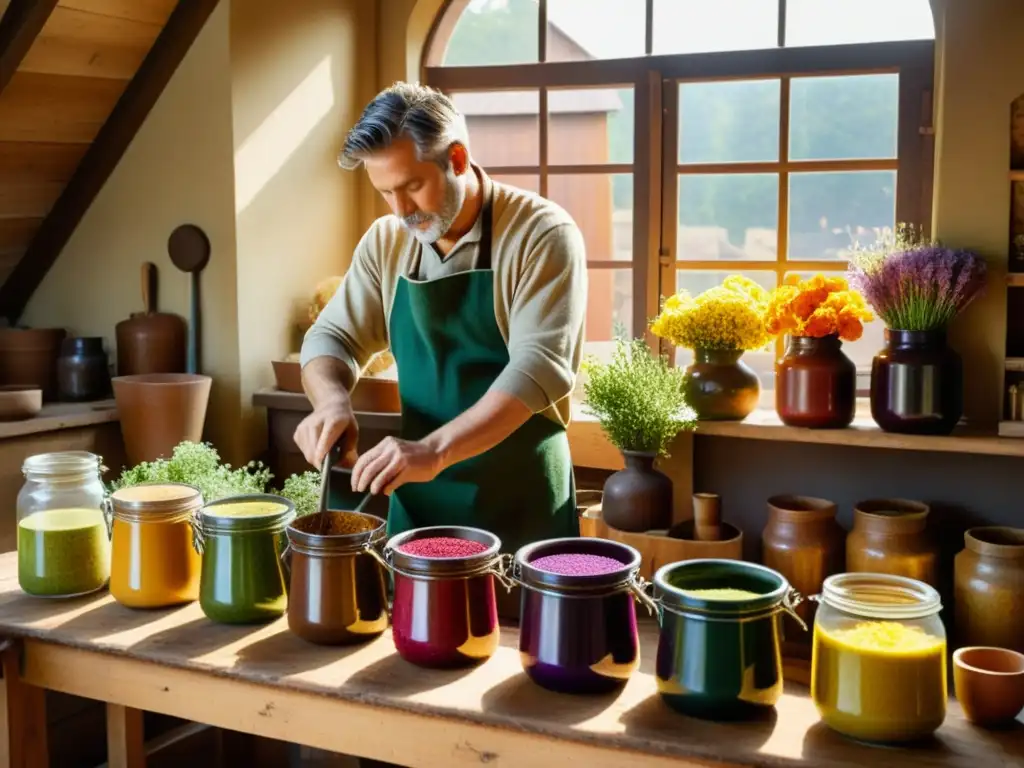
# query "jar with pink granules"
(444, 611)
(577, 626)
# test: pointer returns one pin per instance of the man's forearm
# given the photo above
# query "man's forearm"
(493, 418)
(325, 379)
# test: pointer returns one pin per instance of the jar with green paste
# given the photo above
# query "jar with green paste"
(63, 540)
(242, 539)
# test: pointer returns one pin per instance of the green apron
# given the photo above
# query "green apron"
(449, 350)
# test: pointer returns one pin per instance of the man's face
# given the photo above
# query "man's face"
(425, 198)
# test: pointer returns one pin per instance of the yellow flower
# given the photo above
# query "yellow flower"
(729, 316)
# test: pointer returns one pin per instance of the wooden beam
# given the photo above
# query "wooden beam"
(19, 26)
(104, 154)
(23, 737)
(126, 746)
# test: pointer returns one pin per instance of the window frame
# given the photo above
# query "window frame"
(655, 81)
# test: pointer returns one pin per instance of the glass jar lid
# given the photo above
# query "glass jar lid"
(880, 596)
(156, 502)
(248, 513)
(62, 465)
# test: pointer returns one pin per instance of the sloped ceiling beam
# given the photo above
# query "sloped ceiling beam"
(104, 154)
(19, 26)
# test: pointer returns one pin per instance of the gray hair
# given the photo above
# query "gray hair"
(406, 110)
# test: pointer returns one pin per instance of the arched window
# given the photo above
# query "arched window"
(692, 139)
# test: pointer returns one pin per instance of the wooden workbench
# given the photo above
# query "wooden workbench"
(366, 701)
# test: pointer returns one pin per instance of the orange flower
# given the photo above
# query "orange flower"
(819, 306)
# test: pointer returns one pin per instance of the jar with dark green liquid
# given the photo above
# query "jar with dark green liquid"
(242, 539)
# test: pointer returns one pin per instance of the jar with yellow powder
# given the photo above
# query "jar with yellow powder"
(63, 548)
(153, 561)
(878, 668)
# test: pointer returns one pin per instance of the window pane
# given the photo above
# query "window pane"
(491, 32)
(695, 26)
(729, 122)
(828, 212)
(862, 351)
(728, 217)
(602, 206)
(582, 30)
(590, 126)
(834, 22)
(523, 181)
(504, 126)
(843, 118)
(609, 310)
(698, 281)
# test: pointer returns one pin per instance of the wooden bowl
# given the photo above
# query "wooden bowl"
(288, 375)
(989, 684)
(19, 402)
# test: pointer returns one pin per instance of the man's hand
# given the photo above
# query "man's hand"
(330, 423)
(394, 462)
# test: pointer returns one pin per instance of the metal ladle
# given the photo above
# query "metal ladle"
(189, 249)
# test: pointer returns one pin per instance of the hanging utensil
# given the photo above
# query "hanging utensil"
(189, 249)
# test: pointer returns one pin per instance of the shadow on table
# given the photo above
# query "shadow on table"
(519, 697)
(394, 676)
(195, 638)
(284, 653)
(88, 617)
(942, 748)
(653, 719)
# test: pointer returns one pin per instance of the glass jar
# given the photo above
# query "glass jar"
(878, 669)
(577, 631)
(63, 545)
(242, 539)
(445, 611)
(153, 561)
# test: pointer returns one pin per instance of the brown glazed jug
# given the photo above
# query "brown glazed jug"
(639, 497)
(150, 341)
(815, 384)
(891, 536)
(988, 582)
(805, 543)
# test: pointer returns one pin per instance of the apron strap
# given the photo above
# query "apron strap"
(483, 255)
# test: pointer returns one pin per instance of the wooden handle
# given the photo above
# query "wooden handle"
(148, 287)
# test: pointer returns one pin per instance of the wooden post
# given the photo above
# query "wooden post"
(22, 715)
(126, 744)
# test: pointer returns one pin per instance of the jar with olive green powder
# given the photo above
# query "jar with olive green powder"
(242, 539)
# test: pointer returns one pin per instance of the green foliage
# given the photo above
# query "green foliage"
(638, 399)
(199, 464)
(304, 492)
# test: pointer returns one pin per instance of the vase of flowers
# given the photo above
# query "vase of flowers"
(917, 287)
(719, 325)
(638, 400)
(815, 382)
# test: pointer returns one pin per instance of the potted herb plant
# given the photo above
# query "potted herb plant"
(639, 401)
(719, 325)
(815, 382)
(917, 287)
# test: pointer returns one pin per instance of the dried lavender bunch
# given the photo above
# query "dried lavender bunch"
(914, 284)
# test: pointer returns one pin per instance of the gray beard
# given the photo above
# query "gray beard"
(438, 223)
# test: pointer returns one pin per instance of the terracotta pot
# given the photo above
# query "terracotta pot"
(989, 685)
(988, 580)
(719, 386)
(815, 384)
(159, 410)
(639, 497)
(805, 543)
(891, 536)
(917, 384)
(28, 357)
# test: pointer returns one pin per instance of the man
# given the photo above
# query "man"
(479, 290)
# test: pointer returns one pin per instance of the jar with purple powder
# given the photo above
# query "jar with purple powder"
(444, 611)
(577, 626)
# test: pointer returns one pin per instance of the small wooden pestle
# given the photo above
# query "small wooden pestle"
(707, 517)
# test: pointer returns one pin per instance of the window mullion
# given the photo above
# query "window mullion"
(782, 236)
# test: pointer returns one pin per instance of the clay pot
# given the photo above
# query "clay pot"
(989, 684)
(815, 384)
(891, 536)
(719, 386)
(988, 577)
(639, 497)
(159, 410)
(805, 543)
(28, 357)
(707, 517)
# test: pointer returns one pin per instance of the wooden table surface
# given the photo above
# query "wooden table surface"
(366, 700)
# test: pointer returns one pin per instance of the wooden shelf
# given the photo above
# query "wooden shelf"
(1015, 279)
(56, 416)
(1016, 175)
